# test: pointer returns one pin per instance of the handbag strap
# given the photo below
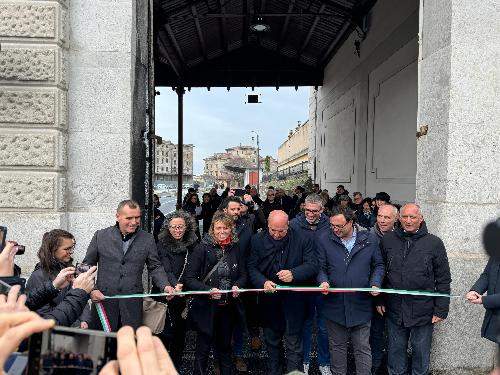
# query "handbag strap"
(214, 269)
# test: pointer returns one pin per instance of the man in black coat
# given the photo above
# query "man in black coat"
(121, 252)
(489, 282)
(415, 260)
(282, 256)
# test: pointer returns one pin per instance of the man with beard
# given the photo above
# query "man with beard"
(310, 224)
(416, 260)
(121, 252)
(281, 255)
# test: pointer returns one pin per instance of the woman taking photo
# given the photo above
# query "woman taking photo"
(175, 243)
(207, 212)
(216, 264)
(52, 282)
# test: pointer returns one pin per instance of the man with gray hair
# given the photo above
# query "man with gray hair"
(120, 252)
(310, 224)
(415, 260)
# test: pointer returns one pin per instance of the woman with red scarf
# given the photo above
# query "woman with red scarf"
(216, 264)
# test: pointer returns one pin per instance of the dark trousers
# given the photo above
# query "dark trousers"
(221, 339)
(293, 351)
(314, 306)
(378, 341)
(174, 333)
(338, 336)
(420, 340)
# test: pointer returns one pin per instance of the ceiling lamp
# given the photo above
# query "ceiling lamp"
(259, 26)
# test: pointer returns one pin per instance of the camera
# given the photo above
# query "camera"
(81, 268)
(3, 240)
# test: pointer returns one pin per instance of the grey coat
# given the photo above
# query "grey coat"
(121, 273)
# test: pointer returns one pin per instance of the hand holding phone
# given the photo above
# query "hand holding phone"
(7, 259)
(10, 299)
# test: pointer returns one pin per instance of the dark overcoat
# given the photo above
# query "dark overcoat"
(363, 267)
(415, 262)
(121, 273)
(202, 260)
(282, 307)
(489, 282)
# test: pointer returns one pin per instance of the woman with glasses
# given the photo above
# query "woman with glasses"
(217, 263)
(175, 243)
(52, 289)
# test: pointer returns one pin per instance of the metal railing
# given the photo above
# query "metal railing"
(290, 171)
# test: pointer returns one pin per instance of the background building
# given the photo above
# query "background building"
(295, 150)
(166, 163)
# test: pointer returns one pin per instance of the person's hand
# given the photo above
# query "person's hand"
(7, 259)
(236, 292)
(84, 325)
(381, 310)
(436, 319)
(215, 295)
(148, 355)
(13, 302)
(285, 276)
(86, 280)
(230, 193)
(96, 296)
(169, 289)
(247, 198)
(474, 297)
(178, 287)
(17, 326)
(63, 278)
(324, 285)
(375, 292)
(269, 286)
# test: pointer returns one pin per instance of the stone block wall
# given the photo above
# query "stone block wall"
(33, 120)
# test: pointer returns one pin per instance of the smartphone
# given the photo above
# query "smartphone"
(3, 237)
(4, 287)
(64, 349)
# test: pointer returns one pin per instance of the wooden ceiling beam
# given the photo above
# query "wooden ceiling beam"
(199, 32)
(164, 53)
(310, 33)
(223, 27)
(172, 38)
(286, 22)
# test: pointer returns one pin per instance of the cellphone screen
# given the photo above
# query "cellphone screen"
(62, 350)
(3, 236)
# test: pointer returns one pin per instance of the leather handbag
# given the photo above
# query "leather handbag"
(154, 314)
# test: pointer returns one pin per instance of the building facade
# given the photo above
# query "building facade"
(295, 150)
(166, 163)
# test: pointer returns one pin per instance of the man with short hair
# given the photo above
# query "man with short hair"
(310, 224)
(357, 201)
(121, 252)
(349, 258)
(416, 260)
(215, 198)
(340, 191)
(284, 200)
(255, 195)
(281, 256)
(386, 222)
(316, 189)
(270, 204)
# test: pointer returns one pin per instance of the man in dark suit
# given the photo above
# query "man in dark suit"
(282, 256)
(120, 252)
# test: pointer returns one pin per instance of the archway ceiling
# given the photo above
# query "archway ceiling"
(209, 43)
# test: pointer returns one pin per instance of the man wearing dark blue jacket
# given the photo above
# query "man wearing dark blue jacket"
(349, 258)
(280, 255)
(310, 224)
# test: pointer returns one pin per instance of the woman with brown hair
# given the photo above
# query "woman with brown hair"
(52, 289)
(216, 264)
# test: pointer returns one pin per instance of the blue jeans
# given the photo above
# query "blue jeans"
(420, 340)
(314, 311)
(377, 339)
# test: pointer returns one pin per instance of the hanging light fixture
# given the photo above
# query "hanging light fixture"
(259, 25)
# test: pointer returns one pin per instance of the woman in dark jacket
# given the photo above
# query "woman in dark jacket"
(207, 212)
(51, 289)
(365, 216)
(216, 264)
(176, 241)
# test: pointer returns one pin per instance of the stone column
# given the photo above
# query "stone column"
(458, 173)
(33, 121)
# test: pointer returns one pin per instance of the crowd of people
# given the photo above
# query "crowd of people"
(308, 239)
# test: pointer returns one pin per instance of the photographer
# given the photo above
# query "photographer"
(52, 289)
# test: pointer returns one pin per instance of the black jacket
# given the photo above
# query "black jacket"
(67, 307)
(299, 257)
(200, 263)
(267, 207)
(207, 213)
(489, 281)
(417, 262)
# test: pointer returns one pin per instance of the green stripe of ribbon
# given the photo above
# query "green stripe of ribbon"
(290, 288)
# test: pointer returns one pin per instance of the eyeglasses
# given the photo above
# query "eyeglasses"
(312, 211)
(70, 249)
(335, 226)
(177, 227)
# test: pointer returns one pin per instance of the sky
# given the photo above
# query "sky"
(217, 119)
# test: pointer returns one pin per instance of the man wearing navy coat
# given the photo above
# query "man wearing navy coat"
(349, 258)
(281, 256)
